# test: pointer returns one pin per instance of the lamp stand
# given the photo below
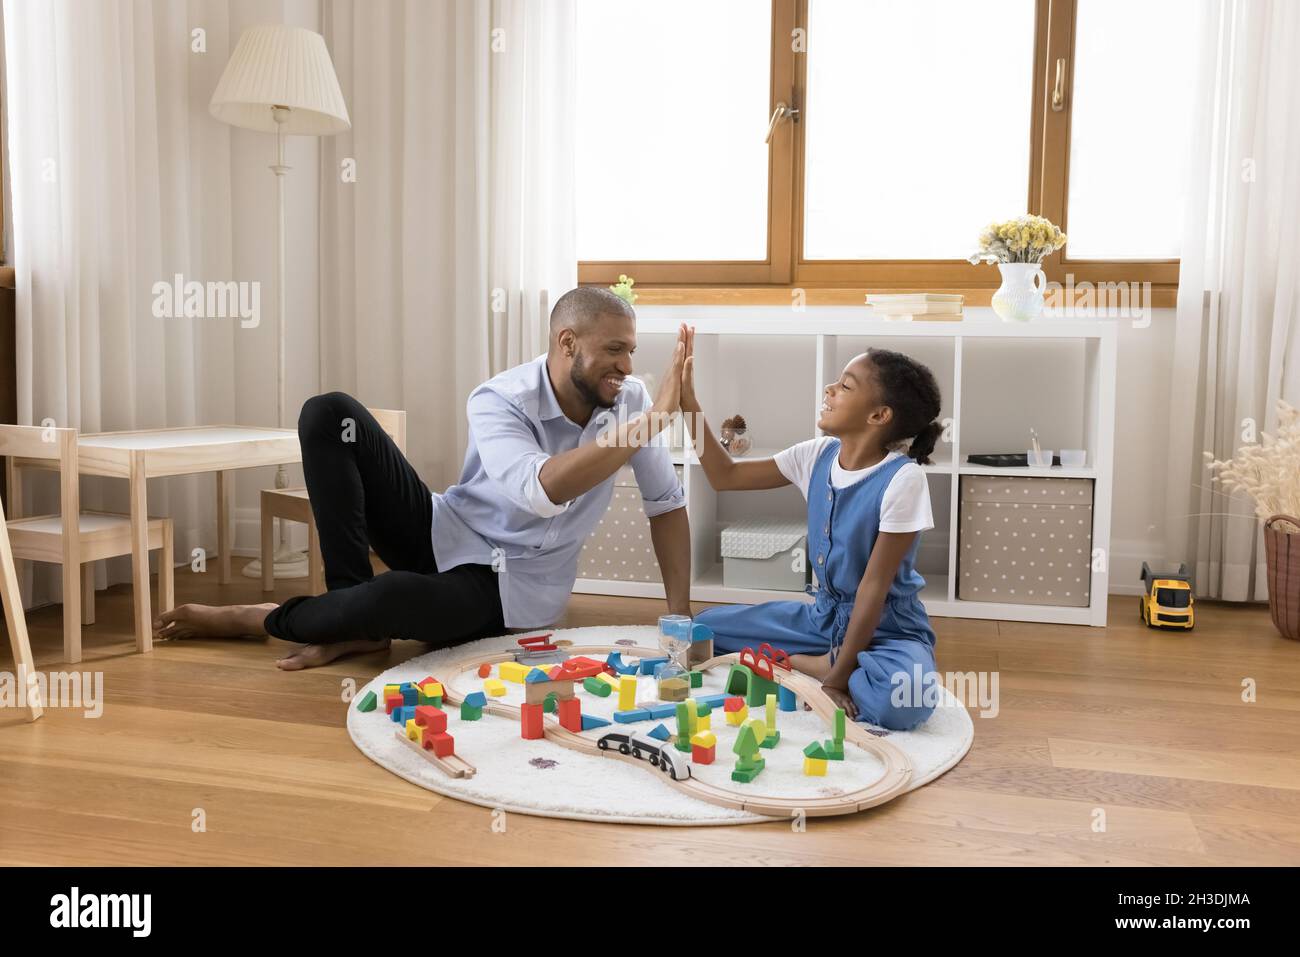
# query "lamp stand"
(288, 562)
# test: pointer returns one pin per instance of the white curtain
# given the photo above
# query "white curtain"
(1237, 344)
(120, 179)
(447, 223)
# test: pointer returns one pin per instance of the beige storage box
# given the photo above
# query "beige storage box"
(765, 554)
(1025, 540)
(620, 549)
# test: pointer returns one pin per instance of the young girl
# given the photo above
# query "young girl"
(867, 630)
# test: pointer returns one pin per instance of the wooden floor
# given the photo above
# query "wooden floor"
(1148, 727)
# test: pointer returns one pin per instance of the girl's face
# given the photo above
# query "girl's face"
(852, 402)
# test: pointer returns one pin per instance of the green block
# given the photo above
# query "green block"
(368, 702)
(433, 699)
(837, 732)
(815, 751)
(682, 744)
(470, 713)
(738, 680)
(703, 710)
(759, 689)
(549, 704)
(597, 687)
(834, 750)
(772, 738)
(697, 679)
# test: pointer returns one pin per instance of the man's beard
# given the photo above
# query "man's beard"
(590, 393)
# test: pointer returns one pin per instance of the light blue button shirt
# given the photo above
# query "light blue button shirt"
(498, 513)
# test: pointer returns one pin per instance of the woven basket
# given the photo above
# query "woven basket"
(1282, 552)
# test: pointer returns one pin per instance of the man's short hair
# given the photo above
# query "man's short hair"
(578, 309)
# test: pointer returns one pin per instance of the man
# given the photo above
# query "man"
(500, 548)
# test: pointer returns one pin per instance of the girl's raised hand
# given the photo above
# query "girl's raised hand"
(689, 402)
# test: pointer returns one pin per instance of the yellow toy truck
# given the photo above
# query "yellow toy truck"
(1167, 598)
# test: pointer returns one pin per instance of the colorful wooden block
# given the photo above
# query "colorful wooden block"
(705, 739)
(530, 722)
(814, 767)
(427, 698)
(513, 671)
(571, 714)
(701, 755)
(785, 699)
(738, 680)
(615, 661)
(685, 711)
(660, 733)
(367, 702)
(394, 700)
(597, 687)
(648, 664)
(404, 714)
(476, 699)
(661, 709)
(590, 721)
(759, 689)
(631, 716)
(439, 742)
(626, 693)
(769, 721)
(609, 680)
(834, 750)
(495, 687)
(410, 695)
(392, 689)
(548, 703)
(430, 685)
(427, 716)
(537, 674)
(470, 712)
(704, 721)
(736, 715)
(484, 670)
(413, 730)
(697, 679)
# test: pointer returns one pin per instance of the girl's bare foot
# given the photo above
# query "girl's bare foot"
(212, 621)
(313, 656)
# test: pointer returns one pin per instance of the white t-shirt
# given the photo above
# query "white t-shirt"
(905, 506)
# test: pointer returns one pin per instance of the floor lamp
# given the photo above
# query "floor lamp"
(280, 80)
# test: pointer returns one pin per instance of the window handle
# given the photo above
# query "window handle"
(780, 111)
(1058, 89)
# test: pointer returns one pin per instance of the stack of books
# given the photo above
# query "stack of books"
(919, 306)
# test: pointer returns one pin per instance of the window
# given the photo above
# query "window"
(865, 143)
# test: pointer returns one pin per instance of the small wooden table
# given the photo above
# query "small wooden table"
(154, 453)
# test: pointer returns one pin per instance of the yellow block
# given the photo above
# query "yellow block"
(412, 730)
(626, 692)
(513, 671)
(771, 713)
(608, 679)
(737, 718)
(433, 689)
(495, 687)
(705, 739)
(703, 722)
(391, 689)
(760, 729)
(815, 767)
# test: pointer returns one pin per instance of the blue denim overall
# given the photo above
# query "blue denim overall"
(842, 528)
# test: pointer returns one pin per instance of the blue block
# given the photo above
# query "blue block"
(403, 715)
(627, 717)
(590, 721)
(713, 700)
(476, 699)
(615, 660)
(701, 633)
(660, 732)
(648, 665)
(537, 674)
(665, 710)
(410, 694)
(785, 699)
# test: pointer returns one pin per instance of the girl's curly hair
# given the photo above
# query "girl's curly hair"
(912, 392)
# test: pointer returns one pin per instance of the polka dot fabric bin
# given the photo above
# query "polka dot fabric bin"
(620, 548)
(1025, 541)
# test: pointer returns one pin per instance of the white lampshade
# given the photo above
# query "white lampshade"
(280, 65)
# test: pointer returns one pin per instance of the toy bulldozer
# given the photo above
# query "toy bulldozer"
(1167, 598)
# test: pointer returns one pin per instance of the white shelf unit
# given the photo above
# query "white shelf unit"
(998, 379)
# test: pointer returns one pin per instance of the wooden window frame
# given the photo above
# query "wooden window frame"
(835, 281)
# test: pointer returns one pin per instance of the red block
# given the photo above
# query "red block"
(427, 716)
(484, 670)
(439, 742)
(395, 700)
(733, 704)
(530, 722)
(571, 714)
(424, 681)
(702, 755)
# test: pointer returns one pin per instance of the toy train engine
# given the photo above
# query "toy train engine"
(666, 759)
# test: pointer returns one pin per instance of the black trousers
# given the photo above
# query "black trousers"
(364, 494)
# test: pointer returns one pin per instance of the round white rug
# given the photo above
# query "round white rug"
(544, 778)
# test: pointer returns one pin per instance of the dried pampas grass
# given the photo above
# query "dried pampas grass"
(1267, 471)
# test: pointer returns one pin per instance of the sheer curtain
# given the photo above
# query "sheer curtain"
(447, 222)
(1237, 343)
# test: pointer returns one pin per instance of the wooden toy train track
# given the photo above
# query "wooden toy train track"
(894, 781)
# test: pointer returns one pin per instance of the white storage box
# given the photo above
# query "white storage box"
(765, 554)
(620, 548)
(1025, 540)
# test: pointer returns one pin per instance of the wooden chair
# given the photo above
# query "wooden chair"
(292, 505)
(16, 621)
(74, 538)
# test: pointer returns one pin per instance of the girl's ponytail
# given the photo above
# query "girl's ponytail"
(924, 443)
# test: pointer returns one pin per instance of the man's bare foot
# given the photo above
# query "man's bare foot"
(313, 656)
(212, 621)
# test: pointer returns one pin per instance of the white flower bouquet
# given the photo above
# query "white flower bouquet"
(1026, 239)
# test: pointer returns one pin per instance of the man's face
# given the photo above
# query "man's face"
(602, 359)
